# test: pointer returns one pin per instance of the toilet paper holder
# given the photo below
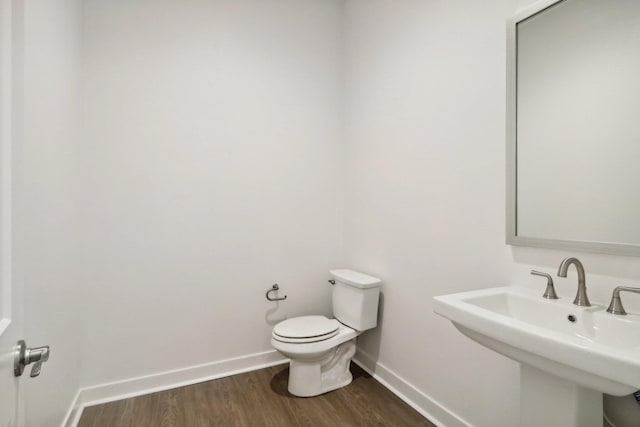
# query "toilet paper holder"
(274, 288)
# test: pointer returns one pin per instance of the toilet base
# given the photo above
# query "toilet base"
(329, 372)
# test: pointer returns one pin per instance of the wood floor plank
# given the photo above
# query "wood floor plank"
(258, 398)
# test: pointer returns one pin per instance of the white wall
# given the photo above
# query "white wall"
(212, 164)
(213, 168)
(425, 193)
(425, 188)
(47, 205)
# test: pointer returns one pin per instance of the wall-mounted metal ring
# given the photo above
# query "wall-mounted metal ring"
(274, 288)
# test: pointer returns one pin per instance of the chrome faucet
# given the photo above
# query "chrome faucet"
(581, 297)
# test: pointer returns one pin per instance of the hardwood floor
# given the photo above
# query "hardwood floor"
(256, 399)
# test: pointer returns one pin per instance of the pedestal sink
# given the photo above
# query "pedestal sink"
(569, 355)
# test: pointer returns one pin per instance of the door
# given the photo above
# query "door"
(11, 325)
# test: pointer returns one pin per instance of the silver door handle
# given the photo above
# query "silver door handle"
(25, 356)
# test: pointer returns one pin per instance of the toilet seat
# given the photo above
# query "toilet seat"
(306, 329)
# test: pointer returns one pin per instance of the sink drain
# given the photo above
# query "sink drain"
(571, 318)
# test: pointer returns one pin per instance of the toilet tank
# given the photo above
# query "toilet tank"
(355, 299)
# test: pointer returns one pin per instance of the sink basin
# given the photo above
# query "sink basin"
(584, 345)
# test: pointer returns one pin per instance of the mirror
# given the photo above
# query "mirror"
(573, 126)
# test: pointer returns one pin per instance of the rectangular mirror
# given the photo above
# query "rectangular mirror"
(573, 126)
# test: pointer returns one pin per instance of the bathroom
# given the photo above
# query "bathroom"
(172, 160)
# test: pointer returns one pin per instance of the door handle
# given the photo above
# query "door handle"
(25, 356)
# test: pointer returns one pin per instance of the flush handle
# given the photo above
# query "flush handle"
(25, 356)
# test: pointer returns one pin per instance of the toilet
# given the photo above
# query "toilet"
(320, 349)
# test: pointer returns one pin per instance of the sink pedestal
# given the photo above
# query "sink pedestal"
(558, 345)
(550, 401)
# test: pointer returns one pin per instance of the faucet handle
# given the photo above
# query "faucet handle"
(615, 307)
(550, 292)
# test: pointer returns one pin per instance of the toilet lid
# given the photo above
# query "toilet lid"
(306, 329)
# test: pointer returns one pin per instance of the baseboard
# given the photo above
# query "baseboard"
(109, 392)
(73, 413)
(428, 407)
(124, 389)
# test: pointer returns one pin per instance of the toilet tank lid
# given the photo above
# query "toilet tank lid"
(354, 278)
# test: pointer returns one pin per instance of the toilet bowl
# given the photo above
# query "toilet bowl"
(317, 365)
(320, 349)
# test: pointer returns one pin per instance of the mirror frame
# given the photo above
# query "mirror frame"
(512, 238)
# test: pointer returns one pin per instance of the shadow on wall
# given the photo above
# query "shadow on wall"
(270, 315)
(622, 411)
(606, 265)
(368, 344)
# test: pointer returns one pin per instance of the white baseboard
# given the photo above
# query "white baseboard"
(124, 389)
(73, 413)
(425, 405)
(117, 390)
